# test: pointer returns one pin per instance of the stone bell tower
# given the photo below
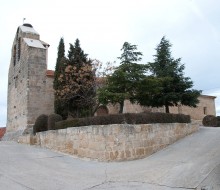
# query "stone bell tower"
(28, 83)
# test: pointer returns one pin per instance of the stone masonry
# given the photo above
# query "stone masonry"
(112, 142)
(29, 87)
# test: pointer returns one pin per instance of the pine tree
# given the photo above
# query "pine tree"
(121, 85)
(70, 52)
(59, 107)
(76, 55)
(176, 89)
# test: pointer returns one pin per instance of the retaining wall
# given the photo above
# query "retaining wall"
(112, 142)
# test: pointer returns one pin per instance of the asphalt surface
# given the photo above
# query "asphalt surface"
(190, 163)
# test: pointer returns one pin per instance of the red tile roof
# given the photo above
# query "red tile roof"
(2, 132)
(50, 73)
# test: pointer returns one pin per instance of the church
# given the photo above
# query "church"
(30, 86)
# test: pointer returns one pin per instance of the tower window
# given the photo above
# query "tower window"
(19, 48)
(205, 110)
(14, 55)
(16, 81)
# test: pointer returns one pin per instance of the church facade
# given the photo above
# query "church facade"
(30, 86)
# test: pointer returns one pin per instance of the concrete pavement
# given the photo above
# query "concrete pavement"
(191, 163)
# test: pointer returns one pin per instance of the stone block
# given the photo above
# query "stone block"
(139, 151)
(114, 155)
(122, 155)
(116, 129)
(84, 143)
(144, 127)
(82, 152)
(99, 138)
(33, 140)
(69, 147)
(127, 153)
(137, 128)
(107, 156)
(75, 151)
(148, 150)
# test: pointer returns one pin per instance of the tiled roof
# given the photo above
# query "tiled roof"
(50, 73)
(2, 132)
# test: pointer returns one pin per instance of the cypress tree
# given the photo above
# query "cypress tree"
(59, 106)
(60, 55)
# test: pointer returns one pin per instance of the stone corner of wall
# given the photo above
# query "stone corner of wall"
(28, 139)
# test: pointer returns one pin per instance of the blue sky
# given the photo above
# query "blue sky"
(192, 26)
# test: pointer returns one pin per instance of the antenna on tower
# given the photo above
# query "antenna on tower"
(24, 20)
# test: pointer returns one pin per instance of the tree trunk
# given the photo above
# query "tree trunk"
(167, 109)
(121, 107)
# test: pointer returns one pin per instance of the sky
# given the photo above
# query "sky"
(102, 26)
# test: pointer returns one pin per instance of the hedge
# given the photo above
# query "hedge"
(211, 121)
(40, 124)
(129, 118)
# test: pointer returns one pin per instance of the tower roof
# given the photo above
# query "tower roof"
(28, 28)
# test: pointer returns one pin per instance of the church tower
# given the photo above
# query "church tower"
(30, 91)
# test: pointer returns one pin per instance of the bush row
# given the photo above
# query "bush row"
(46, 122)
(129, 118)
(211, 121)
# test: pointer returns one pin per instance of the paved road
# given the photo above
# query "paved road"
(191, 163)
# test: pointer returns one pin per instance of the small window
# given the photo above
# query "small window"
(16, 81)
(19, 48)
(205, 110)
(14, 55)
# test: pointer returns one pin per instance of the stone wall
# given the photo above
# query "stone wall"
(112, 142)
(206, 106)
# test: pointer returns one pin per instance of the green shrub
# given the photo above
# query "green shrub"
(210, 121)
(52, 119)
(40, 124)
(129, 118)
